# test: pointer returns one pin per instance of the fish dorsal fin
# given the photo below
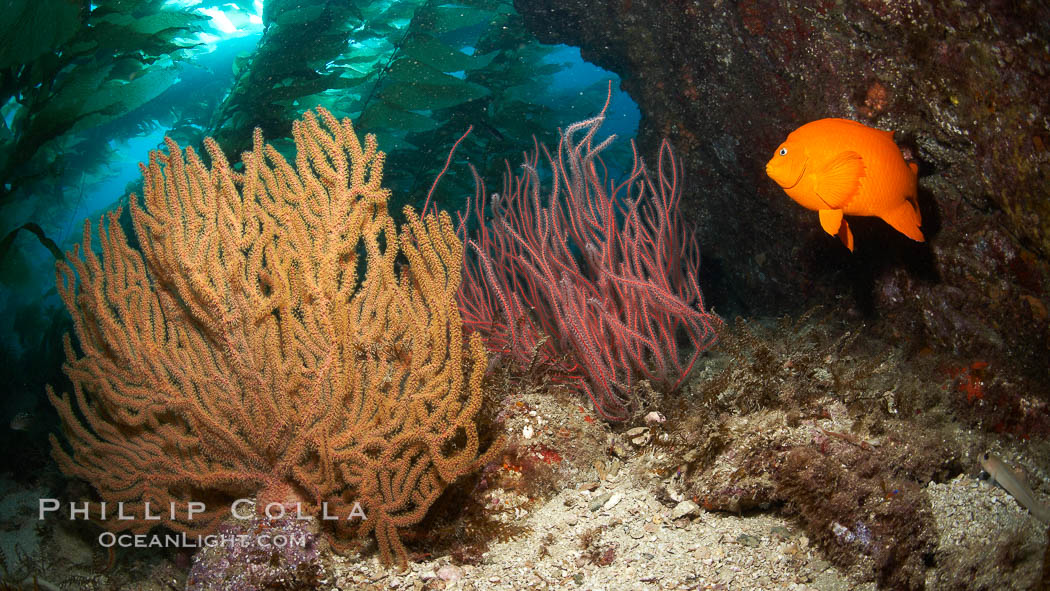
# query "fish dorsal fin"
(839, 180)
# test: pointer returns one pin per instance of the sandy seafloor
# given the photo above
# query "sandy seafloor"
(594, 506)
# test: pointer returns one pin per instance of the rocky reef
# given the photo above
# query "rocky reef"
(965, 87)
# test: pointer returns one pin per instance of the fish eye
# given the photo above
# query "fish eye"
(783, 151)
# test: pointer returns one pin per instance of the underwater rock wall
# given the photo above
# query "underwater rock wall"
(964, 85)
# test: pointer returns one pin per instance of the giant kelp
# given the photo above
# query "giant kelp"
(416, 73)
(67, 67)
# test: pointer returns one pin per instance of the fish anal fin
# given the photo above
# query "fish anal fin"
(839, 180)
(905, 219)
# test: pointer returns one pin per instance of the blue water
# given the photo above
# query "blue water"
(208, 76)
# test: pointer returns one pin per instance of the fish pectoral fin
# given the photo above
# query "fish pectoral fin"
(905, 219)
(839, 180)
(1020, 475)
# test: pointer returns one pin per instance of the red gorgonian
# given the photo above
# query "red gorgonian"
(594, 278)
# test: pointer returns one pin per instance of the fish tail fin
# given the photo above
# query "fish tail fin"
(905, 219)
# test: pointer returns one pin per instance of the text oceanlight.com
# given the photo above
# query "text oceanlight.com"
(263, 541)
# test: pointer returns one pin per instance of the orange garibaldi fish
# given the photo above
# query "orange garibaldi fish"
(840, 167)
